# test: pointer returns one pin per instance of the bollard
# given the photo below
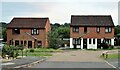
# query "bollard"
(103, 54)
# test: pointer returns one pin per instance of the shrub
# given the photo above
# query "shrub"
(111, 47)
(11, 51)
(32, 50)
(105, 45)
(5, 50)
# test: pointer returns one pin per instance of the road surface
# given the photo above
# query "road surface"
(75, 59)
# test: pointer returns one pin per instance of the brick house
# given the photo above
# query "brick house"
(30, 32)
(89, 31)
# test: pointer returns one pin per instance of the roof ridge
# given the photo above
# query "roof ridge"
(30, 17)
(91, 15)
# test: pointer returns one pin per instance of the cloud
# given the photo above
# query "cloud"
(60, 0)
(59, 12)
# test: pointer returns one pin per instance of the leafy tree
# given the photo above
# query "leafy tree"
(4, 34)
(54, 40)
(117, 30)
(64, 32)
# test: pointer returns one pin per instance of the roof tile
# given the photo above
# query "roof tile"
(28, 23)
(91, 20)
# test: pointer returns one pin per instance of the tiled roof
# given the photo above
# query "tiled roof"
(91, 20)
(28, 23)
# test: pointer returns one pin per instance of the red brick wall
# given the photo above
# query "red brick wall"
(91, 29)
(42, 35)
(9, 35)
(47, 29)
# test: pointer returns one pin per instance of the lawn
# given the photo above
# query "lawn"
(38, 52)
(35, 54)
(111, 56)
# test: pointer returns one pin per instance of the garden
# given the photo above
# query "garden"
(11, 51)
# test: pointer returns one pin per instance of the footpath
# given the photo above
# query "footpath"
(22, 62)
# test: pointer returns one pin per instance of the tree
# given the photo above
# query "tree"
(117, 30)
(54, 40)
(4, 33)
(64, 32)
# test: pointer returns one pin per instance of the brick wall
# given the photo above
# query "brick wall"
(41, 37)
(93, 30)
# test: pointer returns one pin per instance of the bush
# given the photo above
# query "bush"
(32, 50)
(92, 49)
(111, 47)
(11, 51)
(105, 45)
(5, 50)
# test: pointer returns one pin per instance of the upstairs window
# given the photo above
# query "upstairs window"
(108, 29)
(75, 29)
(85, 29)
(98, 29)
(16, 31)
(35, 32)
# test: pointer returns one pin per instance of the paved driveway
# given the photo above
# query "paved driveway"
(75, 59)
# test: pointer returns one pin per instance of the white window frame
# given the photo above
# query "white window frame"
(108, 29)
(35, 31)
(98, 29)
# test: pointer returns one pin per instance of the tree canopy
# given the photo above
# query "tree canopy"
(63, 30)
(4, 34)
(117, 30)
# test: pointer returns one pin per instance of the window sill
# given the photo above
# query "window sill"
(108, 32)
(15, 34)
(75, 32)
(34, 34)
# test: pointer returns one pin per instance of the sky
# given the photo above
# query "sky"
(58, 11)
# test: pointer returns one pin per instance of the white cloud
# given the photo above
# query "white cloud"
(60, 12)
(60, 0)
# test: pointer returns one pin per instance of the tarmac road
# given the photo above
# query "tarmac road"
(75, 59)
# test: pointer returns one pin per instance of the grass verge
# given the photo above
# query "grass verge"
(111, 56)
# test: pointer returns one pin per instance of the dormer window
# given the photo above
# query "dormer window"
(16, 31)
(108, 29)
(35, 32)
